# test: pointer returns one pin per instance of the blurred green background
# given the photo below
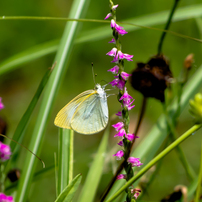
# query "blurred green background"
(17, 87)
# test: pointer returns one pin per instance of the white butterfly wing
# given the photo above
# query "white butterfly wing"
(91, 116)
(64, 116)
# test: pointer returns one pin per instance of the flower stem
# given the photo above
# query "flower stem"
(173, 136)
(167, 27)
(120, 168)
(183, 137)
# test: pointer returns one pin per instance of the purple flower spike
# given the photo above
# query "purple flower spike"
(112, 41)
(129, 105)
(4, 198)
(118, 126)
(113, 23)
(108, 16)
(126, 97)
(119, 155)
(1, 104)
(118, 83)
(4, 152)
(131, 137)
(114, 69)
(114, 7)
(118, 28)
(125, 75)
(126, 56)
(120, 143)
(121, 133)
(112, 52)
(134, 161)
(119, 114)
(121, 176)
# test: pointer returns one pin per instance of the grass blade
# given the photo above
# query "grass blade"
(69, 191)
(65, 158)
(62, 57)
(150, 145)
(95, 172)
(41, 50)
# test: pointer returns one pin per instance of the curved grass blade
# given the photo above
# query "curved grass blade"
(198, 190)
(65, 158)
(19, 132)
(62, 58)
(69, 191)
(183, 137)
(95, 171)
(150, 145)
(28, 55)
(133, 24)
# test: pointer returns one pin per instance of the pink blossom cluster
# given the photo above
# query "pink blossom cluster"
(120, 79)
(5, 152)
(1, 104)
(4, 198)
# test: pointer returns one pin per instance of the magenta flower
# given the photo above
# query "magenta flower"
(114, 69)
(126, 97)
(4, 152)
(108, 16)
(129, 105)
(119, 155)
(131, 137)
(120, 143)
(126, 56)
(121, 176)
(4, 198)
(1, 104)
(121, 133)
(134, 161)
(119, 114)
(118, 126)
(136, 191)
(114, 7)
(118, 28)
(112, 52)
(125, 75)
(113, 23)
(112, 41)
(118, 83)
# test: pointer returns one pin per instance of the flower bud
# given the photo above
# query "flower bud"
(196, 108)
(189, 61)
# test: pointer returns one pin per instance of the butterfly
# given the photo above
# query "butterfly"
(87, 113)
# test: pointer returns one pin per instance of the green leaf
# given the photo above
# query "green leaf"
(95, 171)
(55, 80)
(65, 158)
(19, 132)
(183, 13)
(154, 139)
(68, 193)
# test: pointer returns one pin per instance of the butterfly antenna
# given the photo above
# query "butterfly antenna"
(25, 148)
(94, 75)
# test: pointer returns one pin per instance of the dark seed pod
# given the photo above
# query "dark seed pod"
(152, 78)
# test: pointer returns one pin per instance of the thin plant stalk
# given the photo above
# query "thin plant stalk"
(183, 137)
(167, 26)
(62, 58)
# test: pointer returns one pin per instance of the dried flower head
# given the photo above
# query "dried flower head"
(152, 78)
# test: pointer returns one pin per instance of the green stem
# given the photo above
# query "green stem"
(183, 137)
(173, 135)
(167, 27)
(198, 190)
